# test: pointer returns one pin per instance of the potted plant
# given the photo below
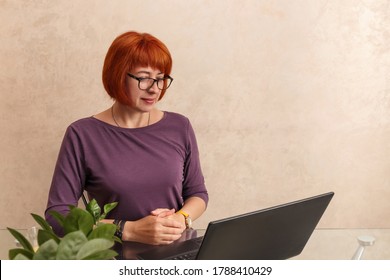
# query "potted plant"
(85, 236)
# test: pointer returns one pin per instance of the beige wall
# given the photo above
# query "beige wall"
(288, 98)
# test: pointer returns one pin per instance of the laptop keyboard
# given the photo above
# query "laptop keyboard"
(191, 255)
(184, 250)
(186, 256)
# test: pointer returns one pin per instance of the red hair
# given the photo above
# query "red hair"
(130, 50)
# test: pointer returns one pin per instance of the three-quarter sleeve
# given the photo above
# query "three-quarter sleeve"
(68, 178)
(193, 183)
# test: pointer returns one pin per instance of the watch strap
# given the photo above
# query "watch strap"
(187, 218)
(183, 213)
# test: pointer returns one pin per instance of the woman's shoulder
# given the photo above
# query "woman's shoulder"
(83, 125)
(176, 118)
(83, 122)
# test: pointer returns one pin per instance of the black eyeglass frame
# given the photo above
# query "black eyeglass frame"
(139, 79)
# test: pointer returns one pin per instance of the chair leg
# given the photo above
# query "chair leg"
(84, 200)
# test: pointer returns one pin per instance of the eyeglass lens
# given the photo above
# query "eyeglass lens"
(147, 83)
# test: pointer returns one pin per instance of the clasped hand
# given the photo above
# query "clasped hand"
(161, 227)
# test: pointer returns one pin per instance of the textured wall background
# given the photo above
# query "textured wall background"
(288, 98)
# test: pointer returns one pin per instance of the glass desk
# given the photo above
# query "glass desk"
(324, 244)
(129, 250)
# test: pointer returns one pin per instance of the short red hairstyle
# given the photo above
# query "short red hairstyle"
(128, 51)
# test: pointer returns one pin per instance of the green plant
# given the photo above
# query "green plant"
(85, 236)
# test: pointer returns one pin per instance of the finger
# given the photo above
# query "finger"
(166, 213)
(172, 230)
(170, 223)
(164, 242)
(170, 237)
(165, 238)
(163, 211)
(158, 211)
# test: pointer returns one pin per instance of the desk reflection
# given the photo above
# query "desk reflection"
(324, 244)
(129, 250)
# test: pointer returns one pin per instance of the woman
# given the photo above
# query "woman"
(145, 159)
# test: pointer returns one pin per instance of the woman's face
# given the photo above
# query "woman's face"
(143, 100)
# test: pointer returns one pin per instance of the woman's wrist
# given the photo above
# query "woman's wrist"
(180, 218)
(120, 227)
(186, 218)
(127, 230)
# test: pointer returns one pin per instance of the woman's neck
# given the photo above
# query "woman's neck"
(124, 116)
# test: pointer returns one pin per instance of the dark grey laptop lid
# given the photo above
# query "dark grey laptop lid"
(275, 233)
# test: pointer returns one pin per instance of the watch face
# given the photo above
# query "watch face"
(189, 222)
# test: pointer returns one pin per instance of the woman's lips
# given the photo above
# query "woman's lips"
(148, 100)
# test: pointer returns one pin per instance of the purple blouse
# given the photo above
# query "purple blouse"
(156, 166)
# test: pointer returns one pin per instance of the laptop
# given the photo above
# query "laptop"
(275, 233)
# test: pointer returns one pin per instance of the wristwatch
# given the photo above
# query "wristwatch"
(187, 218)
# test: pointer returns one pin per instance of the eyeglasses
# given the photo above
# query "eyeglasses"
(147, 83)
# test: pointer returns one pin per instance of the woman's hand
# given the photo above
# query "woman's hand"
(154, 229)
(163, 212)
(169, 214)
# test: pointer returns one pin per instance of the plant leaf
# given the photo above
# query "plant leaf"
(93, 246)
(47, 251)
(71, 207)
(117, 239)
(106, 231)
(59, 217)
(42, 222)
(78, 219)
(14, 252)
(45, 235)
(20, 257)
(70, 245)
(94, 209)
(108, 207)
(22, 240)
(102, 255)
